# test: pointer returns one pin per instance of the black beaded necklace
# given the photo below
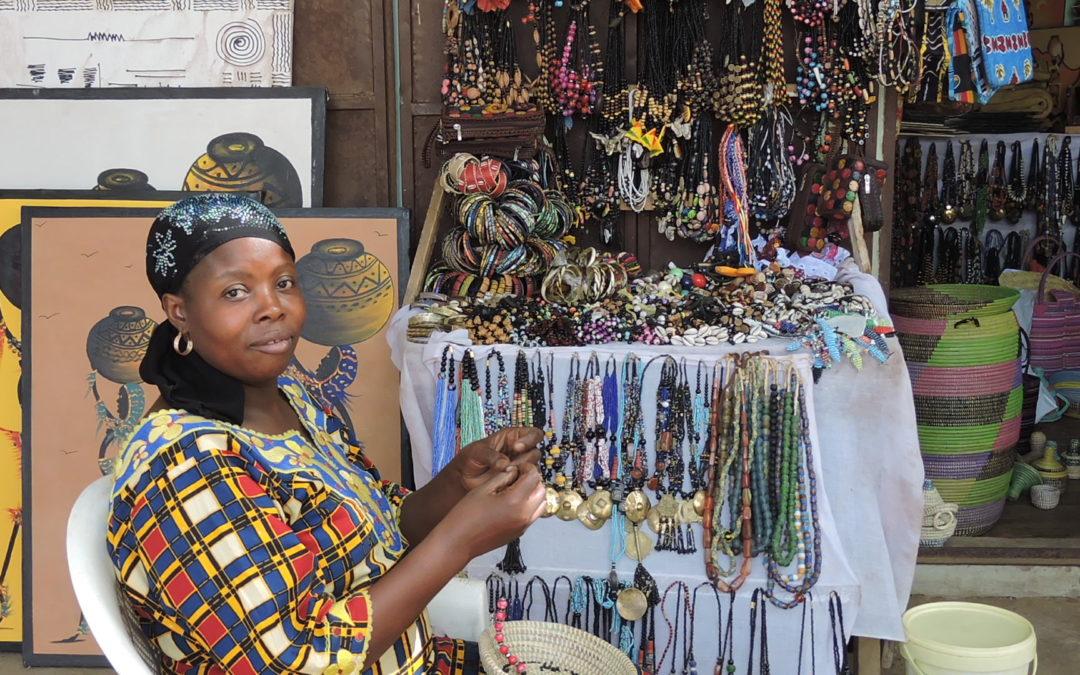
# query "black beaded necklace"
(1017, 188)
(998, 193)
(1034, 181)
(948, 186)
(931, 202)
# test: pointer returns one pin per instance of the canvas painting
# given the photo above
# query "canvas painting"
(82, 44)
(90, 311)
(248, 140)
(11, 205)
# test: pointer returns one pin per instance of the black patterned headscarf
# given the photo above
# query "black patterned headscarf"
(181, 236)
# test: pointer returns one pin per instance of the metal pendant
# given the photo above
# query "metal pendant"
(687, 513)
(569, 501)
(636, 506)
(638, 545)
(551, 502)
(668, 506)
(587, 518)
(699, 502)
(949, 215)
(631, 604)
(600, 504)
(653, 519)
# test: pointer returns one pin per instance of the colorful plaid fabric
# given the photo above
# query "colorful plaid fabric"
(249, 553)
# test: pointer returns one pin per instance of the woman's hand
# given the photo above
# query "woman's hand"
(498, 510)
(479, 461)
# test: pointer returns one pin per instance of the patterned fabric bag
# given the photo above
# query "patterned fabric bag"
(966, 80)
(1005, 48)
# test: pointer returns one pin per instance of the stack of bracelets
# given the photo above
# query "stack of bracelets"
(588, 276)
(508, 229)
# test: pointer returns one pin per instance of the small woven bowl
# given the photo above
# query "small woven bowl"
(542, 643)
(1045, 496)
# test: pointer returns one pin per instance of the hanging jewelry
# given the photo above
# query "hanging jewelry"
(444, 442)
(949, 196)
(998, 192)
(1017, 186)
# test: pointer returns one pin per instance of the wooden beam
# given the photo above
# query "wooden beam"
(428, 235)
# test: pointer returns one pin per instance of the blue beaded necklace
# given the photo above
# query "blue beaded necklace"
(445, 432)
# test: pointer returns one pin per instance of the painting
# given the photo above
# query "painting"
(84, 44)
(11, 205)
(247, 140)
(88, 314)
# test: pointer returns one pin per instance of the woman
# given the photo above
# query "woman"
(249, 531)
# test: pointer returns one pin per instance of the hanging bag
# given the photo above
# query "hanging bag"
(1055, 325)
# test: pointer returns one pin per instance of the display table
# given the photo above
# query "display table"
(867, 458)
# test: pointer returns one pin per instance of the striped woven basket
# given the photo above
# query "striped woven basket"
(962, 346)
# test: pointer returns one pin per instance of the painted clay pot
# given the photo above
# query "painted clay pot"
(123, 180)
(11, 265)
(349, 292)
(241, 162)
(117, 343)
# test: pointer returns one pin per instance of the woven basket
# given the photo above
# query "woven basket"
(1045, 496)
(540, 643)
(1024, 478)
(972, 521)
(950, 411)
(966, 439)
(948, 301)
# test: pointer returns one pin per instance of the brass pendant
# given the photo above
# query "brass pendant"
(551, 502)
(600, 504)
(569, 500)
(638, 545)
(687, 513)
(631, 603)
(636, 506)
(653, 519)
(699, 502)
(949, 215)
(585, 515)
(996, 214)
(967, 211)
(668, 507)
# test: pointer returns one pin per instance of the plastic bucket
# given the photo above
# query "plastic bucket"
(952, 638)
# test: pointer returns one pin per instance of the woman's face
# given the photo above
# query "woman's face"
(243, 309)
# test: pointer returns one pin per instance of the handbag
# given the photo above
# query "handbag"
(513, 134)
(1006, 50)
(1055, 325)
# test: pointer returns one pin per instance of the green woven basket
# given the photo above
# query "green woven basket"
(952, 301)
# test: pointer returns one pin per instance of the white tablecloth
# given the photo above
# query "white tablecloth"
(867, 458)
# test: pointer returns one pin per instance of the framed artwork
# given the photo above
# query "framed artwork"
(269, 141)
(146, 43)
(11, 205)
(89, 311)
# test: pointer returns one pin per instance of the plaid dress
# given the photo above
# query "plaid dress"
(244, 552)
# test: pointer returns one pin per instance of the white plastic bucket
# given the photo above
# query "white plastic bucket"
(952, 638)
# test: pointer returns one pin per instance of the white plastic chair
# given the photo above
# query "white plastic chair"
(458, 611)
(111, 620)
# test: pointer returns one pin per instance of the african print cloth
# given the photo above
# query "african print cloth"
(245, 553)
(1006, 49)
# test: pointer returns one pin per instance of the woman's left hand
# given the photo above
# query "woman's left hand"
(480, 460)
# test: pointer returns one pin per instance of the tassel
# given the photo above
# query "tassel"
(512, 562)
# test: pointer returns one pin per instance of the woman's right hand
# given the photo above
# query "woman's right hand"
(497, 511)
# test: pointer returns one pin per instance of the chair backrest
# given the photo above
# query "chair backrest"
(93, 575)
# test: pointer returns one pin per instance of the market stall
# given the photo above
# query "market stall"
(862, 432)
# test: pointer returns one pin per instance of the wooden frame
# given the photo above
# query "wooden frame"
(133, 134)
(57, 333)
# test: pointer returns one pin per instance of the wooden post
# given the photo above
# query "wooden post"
(425, 246)
(868, 656)
(858, 238)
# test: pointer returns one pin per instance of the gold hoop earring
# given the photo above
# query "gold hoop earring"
(176, 345)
